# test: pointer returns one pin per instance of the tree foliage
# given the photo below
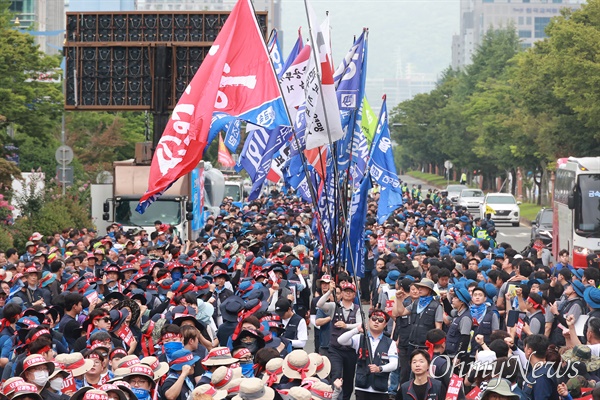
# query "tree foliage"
(511, 108)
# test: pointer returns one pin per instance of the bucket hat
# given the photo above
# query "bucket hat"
(223, 377)
(75, 363)
(297, 365)
(159, 368)
(89, 393)
(254, 389)
(219, 356)
(426, 283)
(273, 371)
(582, 354)
(323, 365)
(501, 387)
(36, 360)
(592, 297)
(180, 358)
(208, 390)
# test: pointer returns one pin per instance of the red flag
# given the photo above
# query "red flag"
(224, 158)
(236, 77)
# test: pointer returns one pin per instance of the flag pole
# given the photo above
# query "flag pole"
(302, 157)
(317, 65)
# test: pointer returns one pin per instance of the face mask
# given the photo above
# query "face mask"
(253, 347)
(141, 394)
(176, 276)
(247, 369)
(301, 234)
(171, 348)
(40, 378)
(56, 384)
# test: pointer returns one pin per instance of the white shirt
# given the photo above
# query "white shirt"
(301, 334)
(352, 338)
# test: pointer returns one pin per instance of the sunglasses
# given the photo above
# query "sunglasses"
(377, 319)
(105, 319)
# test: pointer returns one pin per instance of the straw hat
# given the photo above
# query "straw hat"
(219, 356)
(159, 368)
(223, 376)
(322, 363)
(297, 365)
(273, 371)
(75, 363)
(209, 390)
(299, 393)
(254, 389)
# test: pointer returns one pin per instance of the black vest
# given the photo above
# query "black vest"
(484, 328)
(541, 319)
(422, 323)
(364, 378)
(402, 329)
(453, 335)
(337, 332)
(556, 336)
(291, 329)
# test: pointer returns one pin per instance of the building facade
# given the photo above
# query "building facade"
(44, 19)
(529, 17)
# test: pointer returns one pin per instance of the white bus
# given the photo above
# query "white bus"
(576, 225)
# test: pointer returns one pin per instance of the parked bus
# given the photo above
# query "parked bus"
(576, 226)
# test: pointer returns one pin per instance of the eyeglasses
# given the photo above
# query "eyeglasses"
(137, 382)
(378, 319)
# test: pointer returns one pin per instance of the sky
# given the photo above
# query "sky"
(418, 32)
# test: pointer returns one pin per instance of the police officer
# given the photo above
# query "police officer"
(376, 359)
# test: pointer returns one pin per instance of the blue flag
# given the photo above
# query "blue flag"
(257, 155)
(350, 79)
(383, 169)
(233, 135)
(298, 46)
(358, 216)
(275, 53)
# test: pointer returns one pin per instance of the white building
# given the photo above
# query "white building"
(529, 17)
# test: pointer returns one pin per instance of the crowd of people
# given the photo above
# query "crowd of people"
(442, 310)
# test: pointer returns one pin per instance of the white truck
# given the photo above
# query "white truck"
(182, 206)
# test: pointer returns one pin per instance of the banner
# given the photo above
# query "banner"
(275, 52)
(298, 46)
(257, 155)
(233, 135)
(322, 112)
(383, 169)
(225, 82)
(369, 121)
(223, 156)
(358, 216)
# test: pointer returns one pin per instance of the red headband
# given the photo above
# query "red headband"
(430, 346)
(536, 305)
(182, 360)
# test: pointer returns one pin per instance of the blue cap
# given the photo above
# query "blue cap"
(592, 296)
(486, 263)
(578, 287)
(463, 294)
(464, 218)
(392, 277)
(182, 357)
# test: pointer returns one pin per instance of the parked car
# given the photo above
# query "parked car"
(454, 191)
(506, 208)
(471, 199)
(541, 227)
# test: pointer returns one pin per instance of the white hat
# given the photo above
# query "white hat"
(484, 360)
(223, 376)
(254, 389)
(322, 364)
(273, 371)
(297, 365)
(209, 390)
(299, 393)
